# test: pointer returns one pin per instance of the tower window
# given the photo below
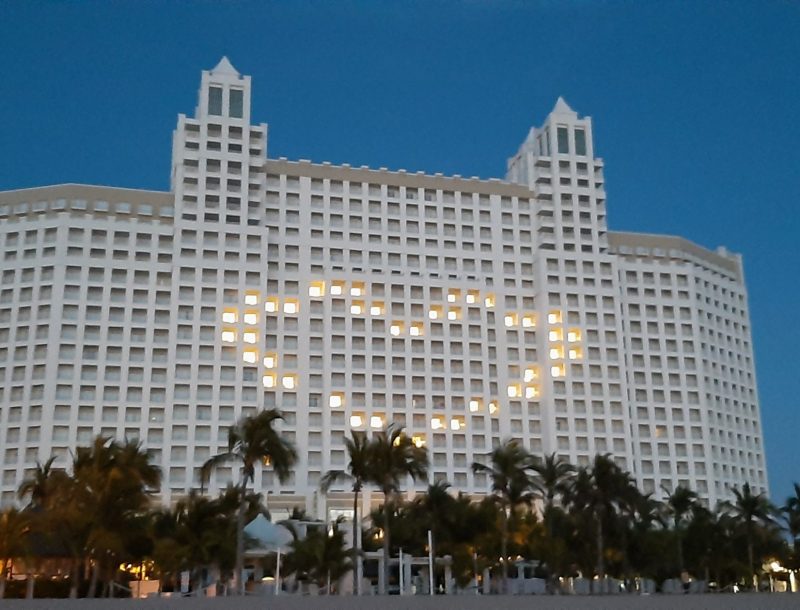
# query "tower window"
(236, 103)
(580, 142)
(215, 101)
(563, 140)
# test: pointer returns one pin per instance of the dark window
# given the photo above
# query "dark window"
(237, 103)
(580, 142)
(215, 101)
(563, 140)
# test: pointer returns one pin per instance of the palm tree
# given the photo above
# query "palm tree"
(552, 477)
(320, 557)
(358, 448)
(791, 513)
(393, 456)
(511, 486)
(38, 486)
(14, 529)
(750, 510)
(680, 504)
(253, 440)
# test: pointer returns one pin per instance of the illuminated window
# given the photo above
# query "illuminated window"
(435, 313)
(316, 289)
(377, 308)
(531, 391)
(456, 424)
(493, 408)
(229, 336)
(251, 298)
(454, 313)
(415, 330)
(337, 288)
(575, 353)
(510, 319)
(418, 440)
(396, 328)
(557, 370)
(531, 373)
(453, 295)
(229, 317)
(573, 335)
(554, 317)
(357, 308)
(556, 353)
(474, 405)
(376, 421)
(291, 307)
(250, 356)
(528, 321)
(473, 296)
(336, 400)
(289, 382)
(514, 390)
(555, 335)
(250, 317)
(436, 423)
(270, 361)
(357, 289)
(269, 381)
(271, 305)
(356, 421)
(250, 337)
(489, 300)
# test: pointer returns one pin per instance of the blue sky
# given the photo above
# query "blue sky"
(694, 107)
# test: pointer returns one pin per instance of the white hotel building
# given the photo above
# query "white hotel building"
(468, 310)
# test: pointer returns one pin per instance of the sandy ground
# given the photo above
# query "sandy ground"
(679, 602)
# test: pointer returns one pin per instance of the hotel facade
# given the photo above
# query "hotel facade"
(470, 311)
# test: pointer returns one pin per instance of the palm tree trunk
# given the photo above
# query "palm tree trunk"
(93, 582)
(356, 550)
(74, 571)
(240, 543)
(386, 540)
(504, 552)
(3, 569)
(750, 560)
(601, 564)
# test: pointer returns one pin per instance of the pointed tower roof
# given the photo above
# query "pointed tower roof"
(225, 67)
(562, 107)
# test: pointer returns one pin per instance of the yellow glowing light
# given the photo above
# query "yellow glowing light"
(291, 307)
(473, 296)
(510, 319)
(376, 421)
(573, 335)
(376, 309)
(514, 391)
(474, 405)
(251, 299)
(492, 408)
(337, 288)
(316, 289)
(396, 328)
(336, 400)
(250, 337)
(289, 382)
(229, 336)
(250, 356)
(557, 370)
(531, 392)
(455, 424)
(556, 353)
(271, 305)
(357, 308)
(250, 318)
(434, 314)
(452, 295)
(489, 301)
(270, 361)
(555, 335)
(229, 317)
(356, 421)
(528, 321)
(415, 330)
(418, 440)
(269, 381)
(357, 290)
(436, 423)
(530, 373)
(554, 317)
(574, 354)
(453, 313)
